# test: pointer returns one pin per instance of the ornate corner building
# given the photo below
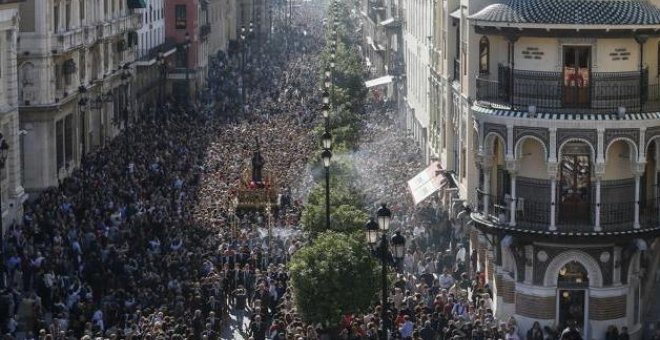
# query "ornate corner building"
(550, 109)
(544, 116)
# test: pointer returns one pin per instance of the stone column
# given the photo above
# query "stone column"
(486, 190)
(553, 202)
(636, 222)
(597, 226)
(512, 221)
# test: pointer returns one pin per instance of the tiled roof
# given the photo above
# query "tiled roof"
(571, 12)
(565, 116)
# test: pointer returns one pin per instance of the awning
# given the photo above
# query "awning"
(456, 14)
(390, 22)
(427, 182)
(136, 4)
(378, 81)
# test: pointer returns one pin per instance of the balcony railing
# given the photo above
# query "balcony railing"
(67, 40)
(604, 92)
(536, 214)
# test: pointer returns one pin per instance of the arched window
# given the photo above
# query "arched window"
(484, 55)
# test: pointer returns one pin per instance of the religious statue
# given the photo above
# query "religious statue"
(257, 165)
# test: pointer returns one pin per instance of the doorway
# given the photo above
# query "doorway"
(573, 285)
(575, 187)
(576, 76)
(572, 304)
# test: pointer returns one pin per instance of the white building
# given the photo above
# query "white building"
(416, 52)
(11, 186)
(151, 56)
(550, 109)
(71, 50)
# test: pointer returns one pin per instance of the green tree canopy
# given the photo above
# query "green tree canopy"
(333, 276)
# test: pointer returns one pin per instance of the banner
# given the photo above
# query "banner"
(427, 182)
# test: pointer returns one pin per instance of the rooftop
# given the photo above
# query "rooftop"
(571, 12)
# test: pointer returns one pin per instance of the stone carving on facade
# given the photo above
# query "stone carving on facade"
(541, 134)
(586, 260)
(587, 135)
(628, 135)
(651, 133)
(498, 129)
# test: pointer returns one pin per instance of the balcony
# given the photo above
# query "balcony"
(535, 216)
(68, 40)
(552, 92)
(204, 31)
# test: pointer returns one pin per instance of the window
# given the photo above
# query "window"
(67, 15)
(59, 135)
(82, 67)
(56, 18)
(484, 55)
(180, 17)
(105, 7)
(68, 138)
(57, 70)
(81, 9)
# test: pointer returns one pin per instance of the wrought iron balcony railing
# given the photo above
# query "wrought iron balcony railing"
(554, 92)
(534, 214)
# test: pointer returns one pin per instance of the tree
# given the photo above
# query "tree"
(333, 276)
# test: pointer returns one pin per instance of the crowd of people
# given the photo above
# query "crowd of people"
(143, 240)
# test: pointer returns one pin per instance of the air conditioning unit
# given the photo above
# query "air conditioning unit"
(531, 111)
(621, 112)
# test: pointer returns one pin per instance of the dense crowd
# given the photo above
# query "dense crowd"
(143, 241)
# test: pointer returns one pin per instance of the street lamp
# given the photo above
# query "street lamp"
(398, 247)
(380, 228)
(372, 232)
(326, 155)
(326, 97)
(326, 81)
(243, 48)
(4, 150)
(327, 140)
(325, 109)
(384, 216)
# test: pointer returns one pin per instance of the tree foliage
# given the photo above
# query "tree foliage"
(333, 276)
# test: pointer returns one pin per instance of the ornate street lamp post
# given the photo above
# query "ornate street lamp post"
(4, 150)
(378, 229)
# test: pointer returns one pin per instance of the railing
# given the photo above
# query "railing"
(536, 215)
(67, 40)
(606, 92)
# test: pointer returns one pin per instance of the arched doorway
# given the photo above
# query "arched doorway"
(572, 284)
(575, 184)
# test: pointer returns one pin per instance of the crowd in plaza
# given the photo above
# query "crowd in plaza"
(142, 240)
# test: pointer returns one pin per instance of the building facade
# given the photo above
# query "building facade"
(74, 75)
(550, 109)
(382, 47)
(153, 55)
(199, 29)
(11, 183)
(416, 52)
